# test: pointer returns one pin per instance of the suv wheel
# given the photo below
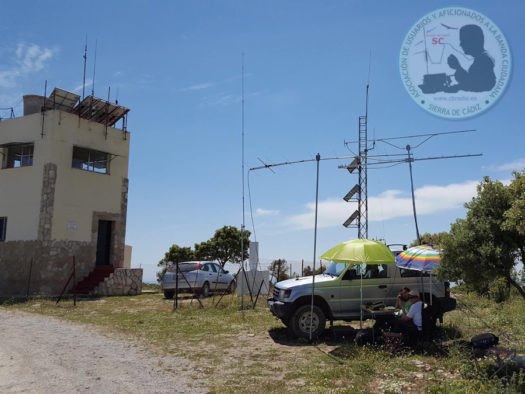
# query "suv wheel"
(302, 320)
(169, 294)
(205, 289)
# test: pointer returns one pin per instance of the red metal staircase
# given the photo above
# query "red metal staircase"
(95, 277)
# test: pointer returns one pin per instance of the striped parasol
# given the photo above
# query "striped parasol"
(419, 258)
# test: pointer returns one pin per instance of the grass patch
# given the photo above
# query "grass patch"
(243, 351)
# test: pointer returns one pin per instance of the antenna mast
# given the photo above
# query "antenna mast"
(84, 78)
(94, 69)
(242, 166)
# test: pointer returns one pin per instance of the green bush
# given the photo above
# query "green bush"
(499, 290)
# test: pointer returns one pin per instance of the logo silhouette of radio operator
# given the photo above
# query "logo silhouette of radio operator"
(480, 75)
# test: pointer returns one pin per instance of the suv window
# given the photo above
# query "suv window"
(404, 273)
(335, 269)
(375, 271)
(371, 271)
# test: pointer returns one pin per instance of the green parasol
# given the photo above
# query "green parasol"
(359, 251)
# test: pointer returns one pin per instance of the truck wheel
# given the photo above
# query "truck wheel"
(169, 294)
(302, 318)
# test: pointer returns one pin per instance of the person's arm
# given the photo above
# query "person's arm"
(406, 314)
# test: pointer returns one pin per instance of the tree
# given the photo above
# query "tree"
(224, 246)
(480, 247)
(204, 251)
(515, 215)
(279, 269)
(428, 238)
(175, 254)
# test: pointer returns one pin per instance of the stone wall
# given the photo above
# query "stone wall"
(42, 268)
(47, 202)
(122, 282)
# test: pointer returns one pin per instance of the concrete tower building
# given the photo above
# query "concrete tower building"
(63, 198)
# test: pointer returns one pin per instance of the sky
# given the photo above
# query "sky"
(178, 66)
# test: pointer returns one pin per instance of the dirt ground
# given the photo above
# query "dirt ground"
(40, 354)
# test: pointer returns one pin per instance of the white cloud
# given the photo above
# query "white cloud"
(29, 58)
(516, 165)
(388, 205)
(266, 212)
(89, 82)
(200, 86)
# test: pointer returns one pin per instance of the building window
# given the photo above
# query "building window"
(17, 155)
(90, 160)
(3, 228)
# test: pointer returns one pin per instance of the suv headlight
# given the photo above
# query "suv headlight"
(284, 293)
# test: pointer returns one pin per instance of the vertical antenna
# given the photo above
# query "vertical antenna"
(94, 69)
(84, 78)
(242, 132)
(368, 81)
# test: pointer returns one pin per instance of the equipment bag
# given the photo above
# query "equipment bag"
(484, 341)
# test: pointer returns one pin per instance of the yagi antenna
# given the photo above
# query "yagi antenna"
(266, 165)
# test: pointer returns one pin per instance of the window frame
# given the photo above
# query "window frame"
(93, 157)
(26, 155)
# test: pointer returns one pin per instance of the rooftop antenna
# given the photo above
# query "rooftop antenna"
(84, 77)
(94, 70)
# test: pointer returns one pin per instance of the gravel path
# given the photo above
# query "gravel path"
(40, 354)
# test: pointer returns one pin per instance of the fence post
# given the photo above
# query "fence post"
(74, 281)
(29, 277)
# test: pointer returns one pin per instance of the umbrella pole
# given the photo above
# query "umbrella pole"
(430, 292)
(361, 308)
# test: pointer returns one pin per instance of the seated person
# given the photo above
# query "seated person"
(410, 322)
(402, 301)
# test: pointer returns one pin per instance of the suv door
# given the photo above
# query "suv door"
(375, 283)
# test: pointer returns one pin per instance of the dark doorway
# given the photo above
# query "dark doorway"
(104, 242)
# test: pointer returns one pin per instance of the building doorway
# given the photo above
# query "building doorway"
(105, 228)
